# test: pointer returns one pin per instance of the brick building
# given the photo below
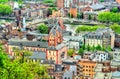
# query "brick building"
(60, 4)
(54, 49)
(73, 11)
(88, 68)
(118, 1)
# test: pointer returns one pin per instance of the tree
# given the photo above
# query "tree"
(83, 46)
(103, 48)
(109, 48)
(81, 51)
(3, 1)
(115, 9)
(16, 70)
(109, 17)
(5, 9)
(88, 47)
(71, 52)
(89, 17)
(42, 28)
(21, 54)
(93, 48)
(79, 15)
(101, 0)
(98, 47)
(51, 9)
(115, 27)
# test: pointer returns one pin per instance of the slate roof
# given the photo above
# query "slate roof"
(38, 55)
(73, 68)
(28, 43)
(68, 74)
(59, 46)
(55, 27)
(97, 6)
(69, 62)
(100, 32)
(59, 68)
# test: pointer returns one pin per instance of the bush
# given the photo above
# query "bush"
(43, 29)
(71, 52)
(5, 9)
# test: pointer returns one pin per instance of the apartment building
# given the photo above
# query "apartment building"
(102, 36)
(88, 68)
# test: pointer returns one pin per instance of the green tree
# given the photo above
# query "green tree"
(51, 9)
(42, 28)
(98, 47)
(22, 54)
(109, 17)
(109, 48)
(103, 48)
(79, 16)
(115, 9)
(83, 46)
(89, 17)
(3, 1)
(16, 70)
(101, 0)
(93, 48)
(5, 9)
(81, 51)
(115, 27)
(88, 47)
(71, 52)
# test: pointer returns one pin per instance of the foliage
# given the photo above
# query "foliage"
(81, 51)
(16, 70)
(88, 28)
(88, 47)
(70, 52)
(80, 15)
(83, 47)
(115, 9)
(109, 48)
(49, 1)
(98, 47)
(101, 0)
(5, 9)
(21, 54)
(51, 9)
(116, 28)
(70, 15)
(109, 17)
(3, 1)
(93, 48)
(42, 28)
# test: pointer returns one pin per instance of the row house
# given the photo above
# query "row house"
(102, 36)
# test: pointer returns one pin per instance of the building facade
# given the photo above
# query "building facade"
(103, 37)
(88, 68)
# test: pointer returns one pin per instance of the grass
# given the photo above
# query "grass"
(88, 28)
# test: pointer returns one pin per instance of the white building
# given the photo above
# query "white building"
(74, 42)
(67, 3)
(101, 56)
